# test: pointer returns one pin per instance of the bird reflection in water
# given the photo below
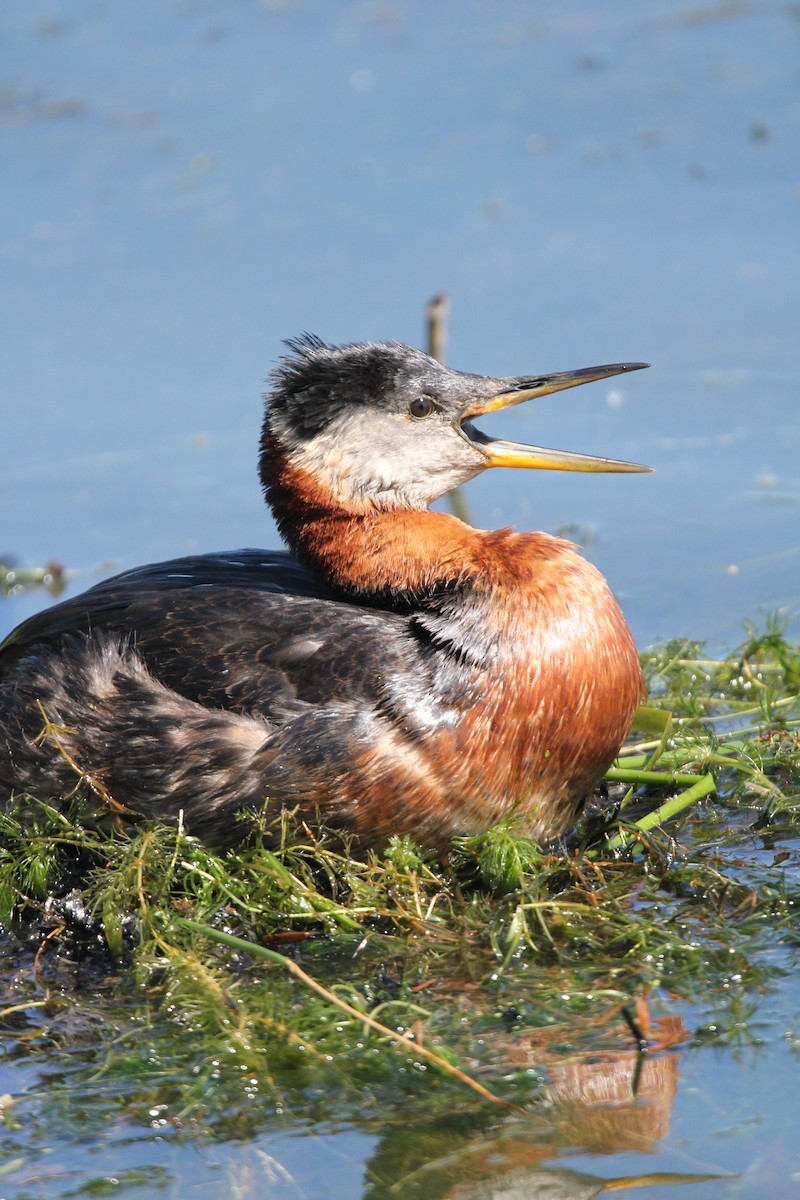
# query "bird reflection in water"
(599, 1101)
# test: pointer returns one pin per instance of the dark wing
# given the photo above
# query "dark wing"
(107, 603)
(250, 632)
(207, 685)
(271, 655)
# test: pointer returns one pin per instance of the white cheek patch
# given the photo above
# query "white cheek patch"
(387, 459)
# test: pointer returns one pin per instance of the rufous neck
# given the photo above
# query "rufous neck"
(369, 552)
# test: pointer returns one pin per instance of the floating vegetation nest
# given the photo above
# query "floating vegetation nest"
(300, 971)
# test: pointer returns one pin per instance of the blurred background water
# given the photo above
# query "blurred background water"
(184, 184)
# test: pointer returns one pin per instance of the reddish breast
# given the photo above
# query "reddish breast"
(561, 683)
(551, 674)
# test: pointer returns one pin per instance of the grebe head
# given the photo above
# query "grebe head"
(386, 426)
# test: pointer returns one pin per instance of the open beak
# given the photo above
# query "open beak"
(513, 454)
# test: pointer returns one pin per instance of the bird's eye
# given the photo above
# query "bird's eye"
(421, 406)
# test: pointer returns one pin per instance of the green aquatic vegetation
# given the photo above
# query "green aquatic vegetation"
(299, 969)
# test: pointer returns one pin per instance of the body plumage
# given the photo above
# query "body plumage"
(398, 672)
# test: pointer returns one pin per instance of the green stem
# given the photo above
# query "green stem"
(703, 787)
(288, 964)
(661, 778)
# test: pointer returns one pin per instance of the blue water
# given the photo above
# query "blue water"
(185, 184)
